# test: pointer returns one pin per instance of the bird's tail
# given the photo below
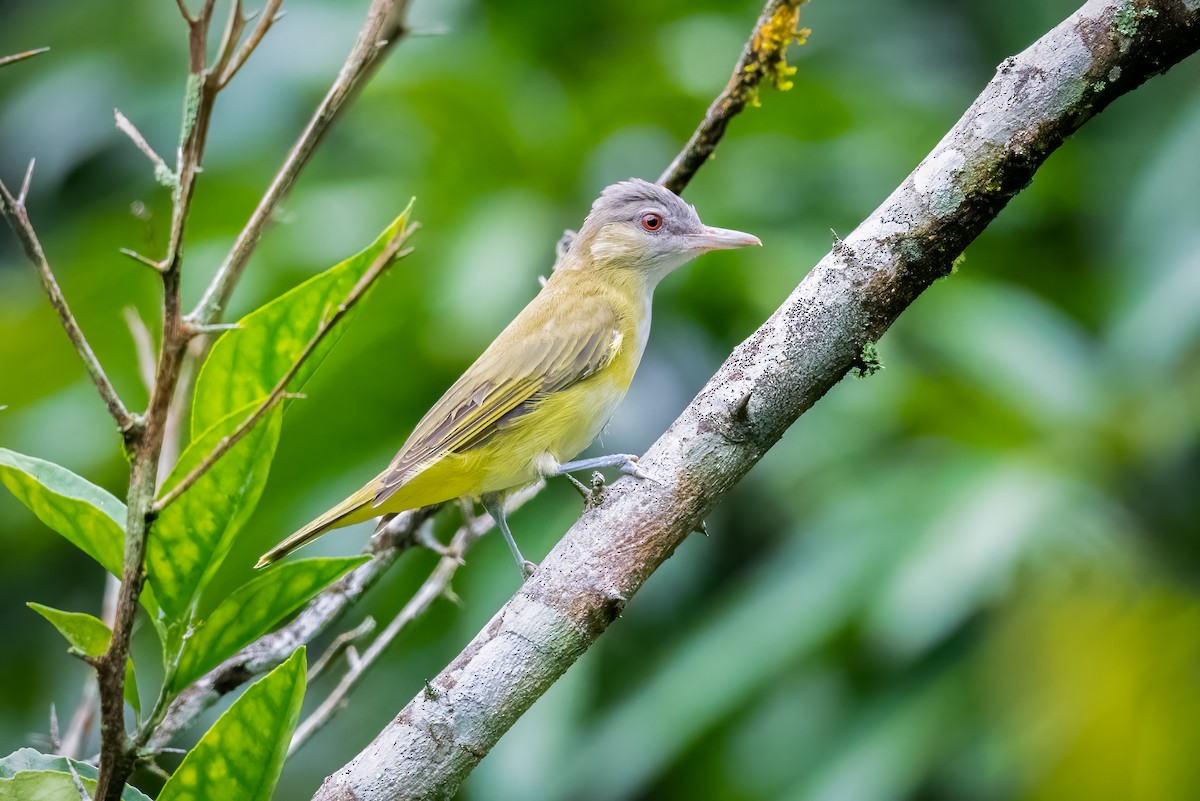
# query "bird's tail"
(354, 509)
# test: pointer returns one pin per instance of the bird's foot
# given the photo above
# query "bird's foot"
(528, 568)
(630, 467)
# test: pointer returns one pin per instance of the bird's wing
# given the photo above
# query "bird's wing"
(518, 370)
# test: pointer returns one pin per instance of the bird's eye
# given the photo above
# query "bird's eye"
(652, 221)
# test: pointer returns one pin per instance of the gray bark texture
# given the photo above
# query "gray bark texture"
(1035, 101)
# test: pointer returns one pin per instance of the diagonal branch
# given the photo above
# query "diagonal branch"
(15, 57)
(383, 29)
(436, 586)
(268, 652)
(1034, 102)
(268, 17)
(764, 57)
(15, 213)
(390, 254)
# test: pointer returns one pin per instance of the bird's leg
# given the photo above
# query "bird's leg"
(493, 504)
(625, 463)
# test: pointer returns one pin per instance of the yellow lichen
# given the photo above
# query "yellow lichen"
(771, 42)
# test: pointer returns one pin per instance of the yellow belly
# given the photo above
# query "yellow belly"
(556, 431)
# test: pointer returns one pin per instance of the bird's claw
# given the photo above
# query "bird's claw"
(631, 468)
(528, 568)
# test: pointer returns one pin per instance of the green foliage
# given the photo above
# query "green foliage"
(86, 515)
(86, 634)
(193, 535)
(246, 363)
(89, 517)
(26, 775)
(241, 756)
(89, 637)
(868, 363)
(253, 609)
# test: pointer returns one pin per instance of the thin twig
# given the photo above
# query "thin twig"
(323, 611)
(764, 57)
(385, 259)
(339, 645)
(18, 220)
(234, 25)
(436, 586)
(23, 195)
(79, 788)
(162, 173)
(15, 57)
(140, 259)
(143, 346)
(383, 28)
(268, 17)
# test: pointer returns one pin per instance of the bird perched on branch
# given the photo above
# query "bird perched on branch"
(549, 383)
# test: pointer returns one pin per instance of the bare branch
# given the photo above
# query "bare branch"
(323, 611)
(436, 586)
(382, 30)
(1035, 101)
(234, 25)
(143, 345)
(162, 173)
(339, 645)
(269, 16)
(18, 221)
(385, 259)
(144, 260)
(15, 57)
(763, 58)
(23, 195)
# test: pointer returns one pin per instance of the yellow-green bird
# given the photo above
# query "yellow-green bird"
(551, 380)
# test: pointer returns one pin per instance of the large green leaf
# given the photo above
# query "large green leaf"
(246, 363)
(90, 637)
(88, 516)
(26, 775)
(193, 534)
(91, 518)
(253, 609)
(242, 755)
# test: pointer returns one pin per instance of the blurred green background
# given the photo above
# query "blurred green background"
(970, 576)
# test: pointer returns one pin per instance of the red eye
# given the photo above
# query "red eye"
(652, 221)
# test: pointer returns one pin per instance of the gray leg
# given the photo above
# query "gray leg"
(493, 504)
(625, 463)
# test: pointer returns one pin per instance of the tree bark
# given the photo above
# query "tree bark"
(1035, 101)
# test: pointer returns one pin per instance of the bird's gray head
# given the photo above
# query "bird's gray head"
(645, 227)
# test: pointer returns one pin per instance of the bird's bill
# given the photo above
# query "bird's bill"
(722, 239)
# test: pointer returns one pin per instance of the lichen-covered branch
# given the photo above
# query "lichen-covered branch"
(763, 58)
(847, 301)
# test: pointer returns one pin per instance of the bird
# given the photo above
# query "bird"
(549, 383)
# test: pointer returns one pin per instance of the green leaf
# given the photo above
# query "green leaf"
(91, 518)
(241, 756)
(192, 536)
(26, 775)
(85, 633)
(253, 609)
(246, 363)
(89, 636)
